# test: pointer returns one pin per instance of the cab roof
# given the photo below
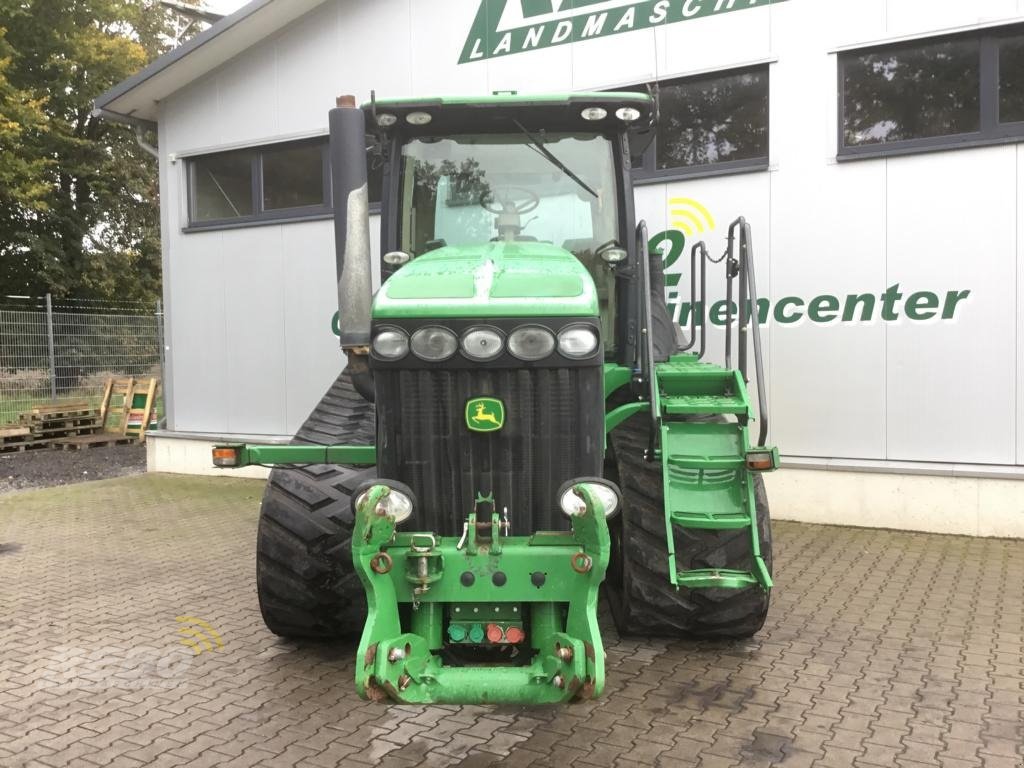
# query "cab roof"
(552, 112)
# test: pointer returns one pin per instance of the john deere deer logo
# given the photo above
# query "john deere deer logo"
(485, 414)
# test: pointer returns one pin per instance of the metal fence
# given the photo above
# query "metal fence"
(64, 350)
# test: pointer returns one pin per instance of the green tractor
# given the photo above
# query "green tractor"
(520, 421)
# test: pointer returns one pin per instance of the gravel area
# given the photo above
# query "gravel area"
(47, 468)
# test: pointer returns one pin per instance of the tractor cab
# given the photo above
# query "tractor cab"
(522, 177)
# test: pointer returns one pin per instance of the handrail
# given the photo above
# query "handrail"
(647, 347)
(741, 266)
(705, 256)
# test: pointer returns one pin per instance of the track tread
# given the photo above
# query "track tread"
(305, 580)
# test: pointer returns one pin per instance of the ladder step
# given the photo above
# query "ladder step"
(706, 462)
(686, 405)
(712, 521)
(715, 578)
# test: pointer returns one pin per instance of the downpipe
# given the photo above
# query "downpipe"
(352, 238)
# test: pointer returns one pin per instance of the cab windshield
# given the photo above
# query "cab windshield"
(556, 188)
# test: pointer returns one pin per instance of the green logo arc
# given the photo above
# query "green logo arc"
(485, 414)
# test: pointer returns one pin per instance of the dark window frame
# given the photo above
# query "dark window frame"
(261, 215)
(991, 132)
(649, 173)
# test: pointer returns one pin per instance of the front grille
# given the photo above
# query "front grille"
(553, 432)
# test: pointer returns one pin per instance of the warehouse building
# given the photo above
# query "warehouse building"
(874, 145)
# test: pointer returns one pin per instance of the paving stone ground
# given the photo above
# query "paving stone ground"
(881, 649)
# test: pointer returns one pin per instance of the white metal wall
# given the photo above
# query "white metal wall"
(251, 346)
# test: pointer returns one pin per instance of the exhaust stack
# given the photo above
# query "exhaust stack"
(352, 236)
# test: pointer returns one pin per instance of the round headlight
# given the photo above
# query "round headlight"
(395, 504)
(577, 341)
(391, 344)
(594, 113)
(386, 119)
(418, 118)
(627, 114)
(573, 504)
(531, 342)
(609, 255)
(481, 343)
(434, 343)
(396, 258)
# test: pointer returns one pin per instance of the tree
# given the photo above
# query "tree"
(22, 191)
(79, 208)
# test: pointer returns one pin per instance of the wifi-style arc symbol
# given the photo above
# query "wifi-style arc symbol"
(690, 216)
(200, 636)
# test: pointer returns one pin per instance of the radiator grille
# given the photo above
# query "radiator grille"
(554, 431)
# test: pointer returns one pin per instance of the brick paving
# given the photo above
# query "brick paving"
(881, 649)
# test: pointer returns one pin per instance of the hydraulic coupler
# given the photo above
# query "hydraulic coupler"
(486, 617)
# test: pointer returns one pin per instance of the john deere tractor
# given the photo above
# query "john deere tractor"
(519, 419)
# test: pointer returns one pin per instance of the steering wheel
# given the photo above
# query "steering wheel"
(515, 200)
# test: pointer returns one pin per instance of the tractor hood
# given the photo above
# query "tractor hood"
(521, 279)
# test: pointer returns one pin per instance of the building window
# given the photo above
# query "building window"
(276, 182)
(293, 177)
(709, 124)
(243, 186)
(222, 186)
(1011, 79)
(960, 90)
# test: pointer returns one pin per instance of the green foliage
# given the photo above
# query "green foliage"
(79, 209)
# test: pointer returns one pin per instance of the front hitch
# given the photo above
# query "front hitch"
(528, 601)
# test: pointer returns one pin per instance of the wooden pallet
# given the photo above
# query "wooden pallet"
(27, 446)
(65, 425)
(55, 410)
(127, 410)
(101, 440)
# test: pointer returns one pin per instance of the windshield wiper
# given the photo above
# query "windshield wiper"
(538, 143)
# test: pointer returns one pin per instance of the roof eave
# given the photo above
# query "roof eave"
(137, 97)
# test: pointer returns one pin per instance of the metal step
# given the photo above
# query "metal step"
(702, 445)
(713, 578)
(687, 405)
(704, 484)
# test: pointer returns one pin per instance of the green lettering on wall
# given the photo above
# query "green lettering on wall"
(921, 305)
(543, 25)
(823, 308)
(867, 302)
(780, 310)
(717, 315)
(953, 298)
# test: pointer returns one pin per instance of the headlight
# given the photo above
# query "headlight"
(603, 491)
(396, 503)
(531, 342)
(481, 343)
(577, 341)
(391, 344)
(434, 343)
(627, 114)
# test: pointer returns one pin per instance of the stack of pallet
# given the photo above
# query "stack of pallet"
(43, 425)
(127, 410)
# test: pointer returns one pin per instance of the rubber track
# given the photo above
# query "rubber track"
(644, 602)
(304, 576)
